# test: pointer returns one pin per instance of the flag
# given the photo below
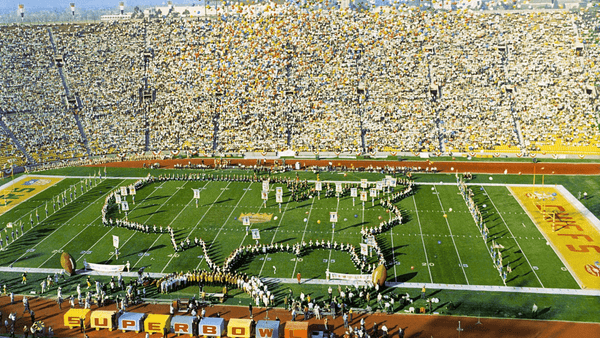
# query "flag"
(116, 241)
(364, 249)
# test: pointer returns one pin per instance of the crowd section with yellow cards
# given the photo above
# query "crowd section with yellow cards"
(572, 234)
(23, 189)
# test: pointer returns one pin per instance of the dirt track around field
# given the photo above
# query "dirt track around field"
(423, 326)
(525, 168)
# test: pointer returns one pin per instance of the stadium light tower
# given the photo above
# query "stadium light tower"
(22, 11)
(122, 7)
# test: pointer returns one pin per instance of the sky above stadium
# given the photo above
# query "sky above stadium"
(64, 4)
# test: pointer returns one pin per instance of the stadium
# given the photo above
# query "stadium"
(347, 169)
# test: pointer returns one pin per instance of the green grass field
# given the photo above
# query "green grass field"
(447, 250)
(442, 250)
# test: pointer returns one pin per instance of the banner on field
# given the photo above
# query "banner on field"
(338, 187)
(364, 249)
(346, 276)
(363, 196)
(372, 192)
(246, 220)
(379, 185)
(363, 183)
(255, 234)
(196, 193)
(278, 198)
(124, 206)
(265, 185)
(116, 241)
(132, 190)
(123, 191)
(279, 191)
(333, 217)
(117, 198)
(318, 186)
(105, 267)
(353, 192)
(392, 182)
(264, 195)
(371, 240)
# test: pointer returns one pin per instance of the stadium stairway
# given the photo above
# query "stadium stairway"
(216, 131)
(83, 136)
(16, 142)
(67, 91)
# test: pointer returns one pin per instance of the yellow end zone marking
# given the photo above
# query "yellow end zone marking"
(570, 233)
(19, 191)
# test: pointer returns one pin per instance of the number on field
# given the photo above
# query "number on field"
(172, 255)
(85, 252)
(293, 260)
(563, 268)
(464, 265)
(56, 251)
(268, 258)
(324, 261)
(261, 259)
(431, 264)
(424, 264)
(200, 256)
(535, 267)
(145, 254)
(332, 261)
(30, 250)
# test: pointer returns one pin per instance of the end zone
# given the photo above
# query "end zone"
(23, 188)
(572, 235)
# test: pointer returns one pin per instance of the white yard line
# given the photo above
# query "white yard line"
(422, 239)
(303, 234)
(200, 220)
(71, 240)
(452, 237)
(67, 222)
(222, 226)
(275, 234)
(98, 241)
(394, 252)
(333, 234)
(115, 226)
(482, 237)
(153, 213)
(515, 238)
(159, 236)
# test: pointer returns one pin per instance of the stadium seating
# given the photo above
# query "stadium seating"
(318, 80)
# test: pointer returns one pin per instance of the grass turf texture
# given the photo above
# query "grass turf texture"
(460, 259)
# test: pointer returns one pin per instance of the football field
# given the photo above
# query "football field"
(437, 242)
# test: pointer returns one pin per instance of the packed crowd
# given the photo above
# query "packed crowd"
(309, 80)
(9, 153)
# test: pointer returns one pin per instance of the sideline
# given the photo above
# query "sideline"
(485, 288)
